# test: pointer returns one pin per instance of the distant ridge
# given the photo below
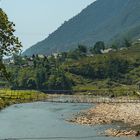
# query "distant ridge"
(105, 20)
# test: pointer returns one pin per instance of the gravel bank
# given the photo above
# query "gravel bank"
(128, 113)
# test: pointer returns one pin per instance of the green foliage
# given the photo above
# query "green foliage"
(59, 81)
(101, 71)
(127, 43)
(3, 72)
(103, 68)
(31, 83)
(117, 67)
(9, 43)
(78, 53)
(115, 47)
(44, 73)
(98, 47)
(82, 49)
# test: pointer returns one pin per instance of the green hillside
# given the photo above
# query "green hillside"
(119, 70)
(105, 20)
(79, 70)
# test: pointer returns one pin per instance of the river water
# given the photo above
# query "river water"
(43, 120)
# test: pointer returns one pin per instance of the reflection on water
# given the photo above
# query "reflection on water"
(47, 121)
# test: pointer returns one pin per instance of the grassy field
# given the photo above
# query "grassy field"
(9, 97)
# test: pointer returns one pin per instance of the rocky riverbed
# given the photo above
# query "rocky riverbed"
(120, 133)
(127, 113)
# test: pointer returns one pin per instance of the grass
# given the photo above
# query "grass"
(101, 87)
(9, 97)
(126, 85)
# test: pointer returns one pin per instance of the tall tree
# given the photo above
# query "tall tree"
(127, 43)
(9, 43)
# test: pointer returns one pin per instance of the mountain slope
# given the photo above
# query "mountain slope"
(102, 20)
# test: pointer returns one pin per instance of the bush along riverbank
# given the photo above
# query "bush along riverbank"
(126, 113)
(9, 97)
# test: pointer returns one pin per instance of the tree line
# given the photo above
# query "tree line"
(52, 72)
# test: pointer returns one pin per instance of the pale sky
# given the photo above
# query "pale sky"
(36, 19)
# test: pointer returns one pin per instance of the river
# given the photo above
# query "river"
(43, 120)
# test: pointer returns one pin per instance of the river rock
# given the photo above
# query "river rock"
(119, 133)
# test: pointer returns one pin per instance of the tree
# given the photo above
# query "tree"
(79, 52)
(9, 43)
(127, 43)
(31, 84)
(82, 49)
(62, 57)
(40, 78)
(59, 81)
(3, 71)
(98, 47)
(18, 60)
(117, 67)
(73, 55)
(115, 47)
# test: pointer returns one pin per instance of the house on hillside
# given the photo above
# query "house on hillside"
(41, 56)
(108, 50)
(55, 55)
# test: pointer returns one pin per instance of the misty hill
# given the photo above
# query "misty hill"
(106, 20)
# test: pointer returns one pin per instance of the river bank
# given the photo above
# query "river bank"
(9, 97)
(104, 113)
(126, 113)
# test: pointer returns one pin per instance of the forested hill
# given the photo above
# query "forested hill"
(116, 70)
(105, 20)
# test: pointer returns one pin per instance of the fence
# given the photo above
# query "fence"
(90, 99)
(94, 96)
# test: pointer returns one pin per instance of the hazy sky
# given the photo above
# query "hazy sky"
(36, 19)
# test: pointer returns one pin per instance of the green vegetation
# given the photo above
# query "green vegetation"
(9, 97)
(117, 70)
(9, 43)
(79, 70)
(83, 68)
(98, 47)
